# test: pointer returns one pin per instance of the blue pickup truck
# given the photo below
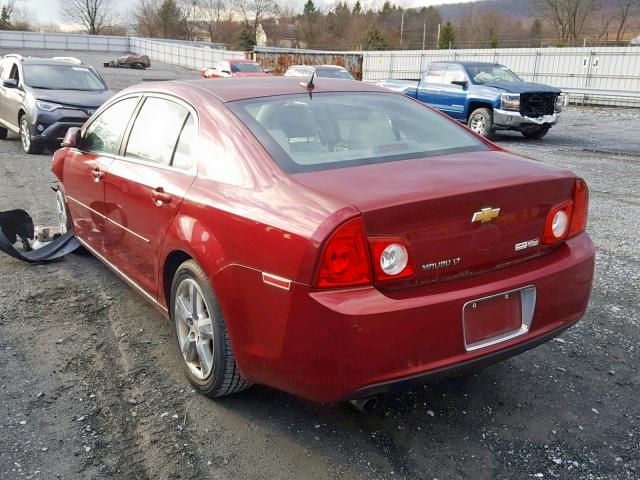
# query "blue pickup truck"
(485, 96)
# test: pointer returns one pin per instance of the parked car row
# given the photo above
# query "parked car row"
(332, 239)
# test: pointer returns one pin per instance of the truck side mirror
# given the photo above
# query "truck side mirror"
(462, 83)
(10, 83)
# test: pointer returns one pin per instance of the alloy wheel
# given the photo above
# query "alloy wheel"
(194, 328)
(61, 212)
(478, 124)
(25, 135)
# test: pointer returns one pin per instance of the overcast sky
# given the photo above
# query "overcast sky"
(46, 11)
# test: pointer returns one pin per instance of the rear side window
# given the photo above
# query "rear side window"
(332, 130)
(454, 73)
(155, 131)
(434, 74)
(184, 155)
(105, 132)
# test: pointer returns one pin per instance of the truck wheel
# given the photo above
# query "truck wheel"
(535, 133)
(201, 334)
(481, 122)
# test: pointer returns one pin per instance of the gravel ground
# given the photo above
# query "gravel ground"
(91, 387)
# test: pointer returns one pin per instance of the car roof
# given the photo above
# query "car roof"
(319, 67)
(468, 64)
(232, 89)
(44, 61)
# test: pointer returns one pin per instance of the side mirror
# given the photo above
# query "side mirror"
(10, 83)
(461, 83)
(72, 138)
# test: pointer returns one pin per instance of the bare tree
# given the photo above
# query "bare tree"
(91, 14)
(623, 9)
(6, 11)
(253, 12)
(144, 16)
(567, 16)
(212, 13)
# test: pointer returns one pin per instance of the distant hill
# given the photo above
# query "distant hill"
(521, 9)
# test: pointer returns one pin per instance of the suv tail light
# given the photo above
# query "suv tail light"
(568, 219)
(345, 258)
(391, 258)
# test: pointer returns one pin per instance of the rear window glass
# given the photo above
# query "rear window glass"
(333, 73)
(332, 130)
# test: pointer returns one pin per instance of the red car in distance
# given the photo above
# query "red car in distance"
(334, 241)
(234, 68)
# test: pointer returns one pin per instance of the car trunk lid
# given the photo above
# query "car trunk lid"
(431, 203)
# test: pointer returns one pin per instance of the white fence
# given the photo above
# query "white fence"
(595, 75)
(600, 75)
(62, 41)
(184, 55)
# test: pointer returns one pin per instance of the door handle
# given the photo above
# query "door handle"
(97, 175)
(160, 197)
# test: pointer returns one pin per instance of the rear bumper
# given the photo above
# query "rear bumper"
(514, 120)
(350, 343)
(456, 369)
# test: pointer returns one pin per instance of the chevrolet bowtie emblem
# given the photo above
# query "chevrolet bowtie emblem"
(485, 215)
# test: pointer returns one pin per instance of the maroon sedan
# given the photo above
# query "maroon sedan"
(334, 241)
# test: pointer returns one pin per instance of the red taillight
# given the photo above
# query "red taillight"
(569, 218)
(580, 208)
(391, 258)
(345, 259)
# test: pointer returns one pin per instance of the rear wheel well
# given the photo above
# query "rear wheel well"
(171, 264)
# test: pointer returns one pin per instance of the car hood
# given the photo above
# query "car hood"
(73, 97)
(522, 87)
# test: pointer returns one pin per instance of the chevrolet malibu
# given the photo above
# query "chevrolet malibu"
(333, 240)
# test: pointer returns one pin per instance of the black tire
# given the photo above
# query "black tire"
(3, 133)
(26, 139)
(481, 122)
(224, 378)
(535, 133)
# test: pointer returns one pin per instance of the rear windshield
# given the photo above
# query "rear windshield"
(333, 73)
(245, 67)
(332, 130)
(62, 77)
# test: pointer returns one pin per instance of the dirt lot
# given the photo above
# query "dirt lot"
(91, 387)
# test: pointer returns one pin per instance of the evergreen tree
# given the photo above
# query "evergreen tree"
(447, 36)
(493, 40)
(357, 8)
(309, 9)
(247, 42)
(5, 18)
(374, 40)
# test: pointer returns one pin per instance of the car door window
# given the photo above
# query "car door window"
(434, 74)
(183, 157)
(155, 131)
(454, 73)
(105, 132)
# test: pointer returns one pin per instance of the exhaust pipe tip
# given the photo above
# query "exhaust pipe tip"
(365, 405)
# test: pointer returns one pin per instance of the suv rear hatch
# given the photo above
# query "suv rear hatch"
(430, 202)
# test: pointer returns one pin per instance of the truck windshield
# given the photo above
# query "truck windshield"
(332, 130)
(62, 77)
(245, 67)
(482, 74)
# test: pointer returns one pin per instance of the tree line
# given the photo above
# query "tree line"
(240, 24)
